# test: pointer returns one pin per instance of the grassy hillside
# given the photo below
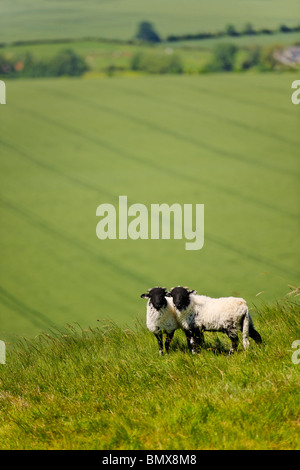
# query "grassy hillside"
(107, 388)
(230, 142)
(33, 19)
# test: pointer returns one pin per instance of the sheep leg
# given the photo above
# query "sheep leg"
(188, 338)
(159, 337)
(234, 341)
(193, 337)
(199, 336)
(169, 338)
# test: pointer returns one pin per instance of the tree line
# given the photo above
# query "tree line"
(225, 57)
(147, 32)
(66, 62)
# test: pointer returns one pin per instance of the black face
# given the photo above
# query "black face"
(157, 297)
(181, 297)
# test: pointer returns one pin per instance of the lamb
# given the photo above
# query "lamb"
(161, 316)
(198, 313)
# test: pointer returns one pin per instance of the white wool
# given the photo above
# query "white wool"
(226, 314)
(217, 314)
(162, 320)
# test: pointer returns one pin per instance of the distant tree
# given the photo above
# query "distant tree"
(67, 62)
(231, 31)
(6, 65)
(32, 67)
(284, 29)
(224, 58)
(248, 29)
(265, 31)
(146, 32)
(267, 58)
(251, 57)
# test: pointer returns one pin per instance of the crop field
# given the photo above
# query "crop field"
(118, 19)
(230, 142)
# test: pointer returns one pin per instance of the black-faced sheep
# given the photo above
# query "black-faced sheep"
(198, 313)
(161, 316)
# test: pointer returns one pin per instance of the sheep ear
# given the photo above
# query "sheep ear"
(192, 292)
(145, 296)
(168, 294)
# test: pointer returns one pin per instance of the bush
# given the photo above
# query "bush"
(284, 29)
(248, 30)
(223, 58)
(28, 66)
(136, 60)
(67, 62)
(156, 63)
(231, 31)
(251, 57)
(267, 59)
(6, 65)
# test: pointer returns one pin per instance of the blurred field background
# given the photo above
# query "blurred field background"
(118, 19)
(227, 140)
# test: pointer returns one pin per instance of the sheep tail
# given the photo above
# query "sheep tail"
(253, 333)
(245, 328)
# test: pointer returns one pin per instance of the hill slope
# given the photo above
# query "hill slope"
(229, 142)
(107, 388)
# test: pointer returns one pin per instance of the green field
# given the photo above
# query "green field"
(229, 141)
(82, 371)
(33, 19)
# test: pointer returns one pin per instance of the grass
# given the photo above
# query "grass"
(228, 141)
(107, 388)
(32, 19)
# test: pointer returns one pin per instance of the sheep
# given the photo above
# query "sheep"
(198, 313)
(185, 319)
(161, 316)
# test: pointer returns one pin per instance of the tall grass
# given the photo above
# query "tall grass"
(107, 388)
